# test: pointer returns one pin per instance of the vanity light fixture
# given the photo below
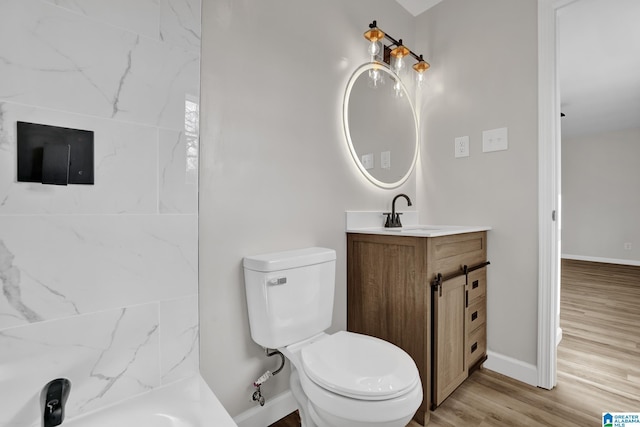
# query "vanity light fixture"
(396, 51)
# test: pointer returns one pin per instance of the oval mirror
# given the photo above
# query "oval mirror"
(380, 125)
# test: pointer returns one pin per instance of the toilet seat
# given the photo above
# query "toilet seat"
(359, 367)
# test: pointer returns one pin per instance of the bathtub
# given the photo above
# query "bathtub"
(186, 403)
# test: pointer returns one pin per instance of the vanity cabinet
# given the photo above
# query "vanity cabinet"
(390, 295)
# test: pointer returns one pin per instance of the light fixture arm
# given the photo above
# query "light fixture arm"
(395, 42)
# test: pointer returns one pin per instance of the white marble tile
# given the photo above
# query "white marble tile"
(139, 16)
(107, 72)
(179, 347)
(178, 172)
(54, 266)
(107, 356)
(125, 158)
(63, 60)
(180, 23)
(160, 79)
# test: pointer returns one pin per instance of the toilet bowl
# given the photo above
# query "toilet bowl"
(339, 380)
(354, 380)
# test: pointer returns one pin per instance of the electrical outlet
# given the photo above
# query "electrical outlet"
(462, 146)
(628, 246)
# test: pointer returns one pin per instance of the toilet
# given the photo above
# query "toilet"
(339, 380)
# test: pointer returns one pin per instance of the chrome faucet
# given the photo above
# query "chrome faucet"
(54, 397)
(393, 217)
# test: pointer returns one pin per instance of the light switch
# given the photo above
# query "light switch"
(462, 146)
(385, 160)
(367, 161)
(494, 140)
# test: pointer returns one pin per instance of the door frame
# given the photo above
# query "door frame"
(549, 206)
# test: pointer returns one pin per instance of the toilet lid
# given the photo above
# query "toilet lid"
(359, 366)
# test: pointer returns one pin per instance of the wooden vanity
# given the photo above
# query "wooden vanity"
(426, 295)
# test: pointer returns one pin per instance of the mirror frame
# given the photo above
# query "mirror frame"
(345, 121)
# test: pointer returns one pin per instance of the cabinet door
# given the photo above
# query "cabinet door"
(449, 338)
(388, 296)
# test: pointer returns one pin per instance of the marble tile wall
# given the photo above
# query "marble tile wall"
(99, 282)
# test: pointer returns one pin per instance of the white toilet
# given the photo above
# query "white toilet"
(339, 380)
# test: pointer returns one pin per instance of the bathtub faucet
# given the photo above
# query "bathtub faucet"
(54, 397)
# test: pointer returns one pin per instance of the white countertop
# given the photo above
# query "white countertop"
(366, 222)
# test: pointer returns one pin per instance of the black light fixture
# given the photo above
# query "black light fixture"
(395, 52)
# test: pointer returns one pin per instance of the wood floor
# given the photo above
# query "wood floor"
(598, 361)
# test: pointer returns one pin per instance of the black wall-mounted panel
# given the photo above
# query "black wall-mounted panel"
(47, 153)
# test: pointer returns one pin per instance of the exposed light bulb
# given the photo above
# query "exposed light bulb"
(398, 54)
(374, 48)
(421, 67)
(398, 64)
(374, 35)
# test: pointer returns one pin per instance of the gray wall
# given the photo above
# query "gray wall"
(276, 172)
(600, 203)
(484, 76)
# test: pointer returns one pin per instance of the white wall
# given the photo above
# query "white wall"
(600, 206)
(99, 282)
(484, 76)
(276, 172)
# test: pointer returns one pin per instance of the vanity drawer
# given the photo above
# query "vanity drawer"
(476, 314)
(476, 345)
(477, 284)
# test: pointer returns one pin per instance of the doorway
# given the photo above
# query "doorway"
(585, 119)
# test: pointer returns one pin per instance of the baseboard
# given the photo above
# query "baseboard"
(512, 368)
(558, 336)
(275, 409)
(600, 259)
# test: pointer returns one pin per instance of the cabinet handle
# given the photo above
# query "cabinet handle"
(476, 267)
(474, 347)
(474, 316)
(436, 285)
(475, 284)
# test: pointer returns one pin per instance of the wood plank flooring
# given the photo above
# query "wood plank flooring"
(598, 361)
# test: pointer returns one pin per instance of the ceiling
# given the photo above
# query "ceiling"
(598, 63)
(416, 7)
(599, 66)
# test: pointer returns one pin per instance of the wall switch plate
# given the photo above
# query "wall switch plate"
(628, 246)
(385, 160)
(494, 140)
(462, 146)
(367, 161)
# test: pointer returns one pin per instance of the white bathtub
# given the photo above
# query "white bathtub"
(186, 403)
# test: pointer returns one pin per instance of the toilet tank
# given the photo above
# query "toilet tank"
(289, 295)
